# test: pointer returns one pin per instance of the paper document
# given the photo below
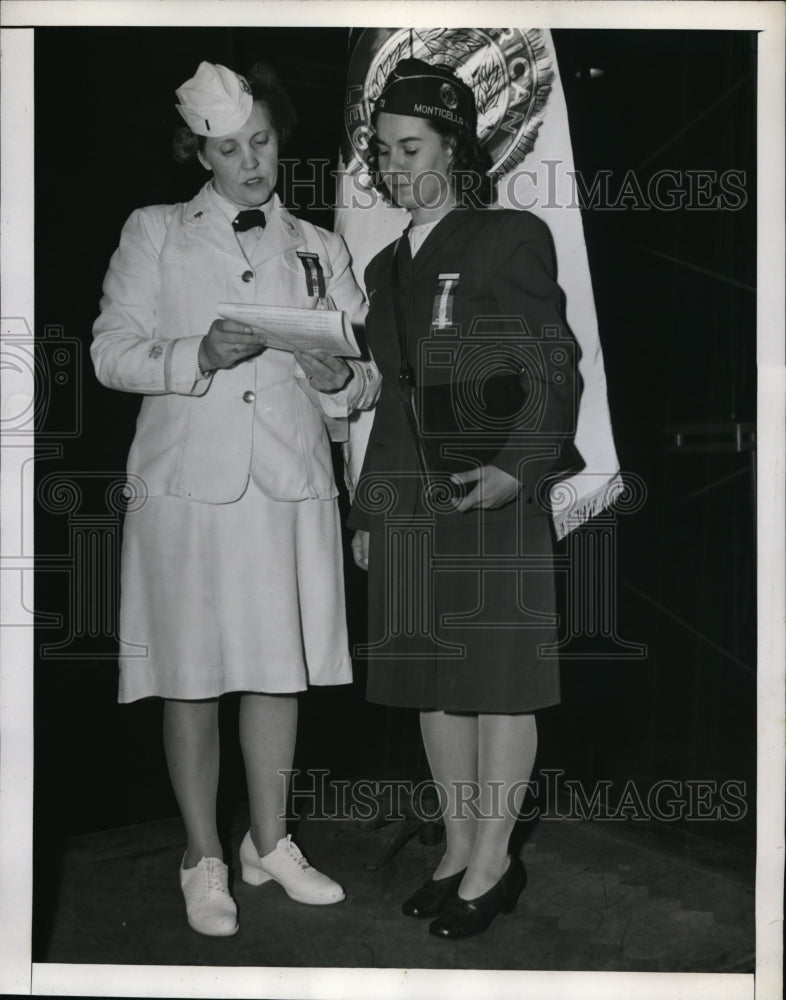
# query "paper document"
(289, 329)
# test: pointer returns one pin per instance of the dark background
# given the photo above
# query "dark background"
(676, 309)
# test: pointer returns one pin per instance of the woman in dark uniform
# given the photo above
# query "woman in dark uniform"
(461, 589)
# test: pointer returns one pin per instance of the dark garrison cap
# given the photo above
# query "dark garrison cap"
(418, 89)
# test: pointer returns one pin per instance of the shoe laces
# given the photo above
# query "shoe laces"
(293, 852)
(214, 878)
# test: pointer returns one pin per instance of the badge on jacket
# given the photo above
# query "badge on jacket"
(315, 278)
(442, 310)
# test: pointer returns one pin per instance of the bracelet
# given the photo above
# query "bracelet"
(202, 373)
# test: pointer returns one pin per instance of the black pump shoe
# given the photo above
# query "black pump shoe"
(429, 899)
(463, 917)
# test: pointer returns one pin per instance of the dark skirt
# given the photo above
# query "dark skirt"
(462, 614)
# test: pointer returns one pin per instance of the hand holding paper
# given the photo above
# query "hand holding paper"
(287, 328)
(324, 372)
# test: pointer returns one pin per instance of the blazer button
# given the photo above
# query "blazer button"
(247, 275)
(249, 396)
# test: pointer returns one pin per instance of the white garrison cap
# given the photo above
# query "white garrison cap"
(215, 101)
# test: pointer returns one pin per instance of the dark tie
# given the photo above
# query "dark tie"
(244, 221)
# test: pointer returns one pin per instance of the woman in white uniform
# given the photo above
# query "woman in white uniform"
(231, 573)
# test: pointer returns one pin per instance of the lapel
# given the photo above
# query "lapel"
(401, 259)
(204, 220)
(283, 233)
(450, 234)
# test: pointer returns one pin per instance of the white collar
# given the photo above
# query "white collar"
(230, 210)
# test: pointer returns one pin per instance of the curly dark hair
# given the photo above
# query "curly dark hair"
(473, 184)
(265, 88)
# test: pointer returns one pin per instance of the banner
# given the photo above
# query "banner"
(523, 122)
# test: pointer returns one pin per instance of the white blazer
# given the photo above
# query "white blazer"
(194, 436)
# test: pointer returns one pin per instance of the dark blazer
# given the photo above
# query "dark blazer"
(502, 305)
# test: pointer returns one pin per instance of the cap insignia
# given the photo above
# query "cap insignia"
(448, 96)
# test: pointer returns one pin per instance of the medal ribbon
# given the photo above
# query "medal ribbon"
(314, 274)
(442, 312)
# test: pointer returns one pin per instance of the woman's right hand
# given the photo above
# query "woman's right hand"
(227, 342)
(360, 549)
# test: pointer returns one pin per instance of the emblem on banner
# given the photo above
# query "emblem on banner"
(509, 70)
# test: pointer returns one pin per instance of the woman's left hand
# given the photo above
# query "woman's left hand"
(493, 488)
(324, 372)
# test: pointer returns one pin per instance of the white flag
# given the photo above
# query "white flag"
(523, 122)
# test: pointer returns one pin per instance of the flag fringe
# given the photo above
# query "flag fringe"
(587, 507)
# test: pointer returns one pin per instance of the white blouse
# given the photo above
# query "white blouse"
(417, 235)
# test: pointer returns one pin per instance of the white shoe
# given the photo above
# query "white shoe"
(209, 907)
(290, 869)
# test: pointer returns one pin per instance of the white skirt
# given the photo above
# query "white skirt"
(245, 596)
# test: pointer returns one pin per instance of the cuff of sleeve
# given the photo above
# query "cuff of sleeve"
(358, 520)
(337, 404)
(508, 460)
(528, 472)
(360, 392)
(182, 367)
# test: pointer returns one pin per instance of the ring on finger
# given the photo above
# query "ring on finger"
(235, 348)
